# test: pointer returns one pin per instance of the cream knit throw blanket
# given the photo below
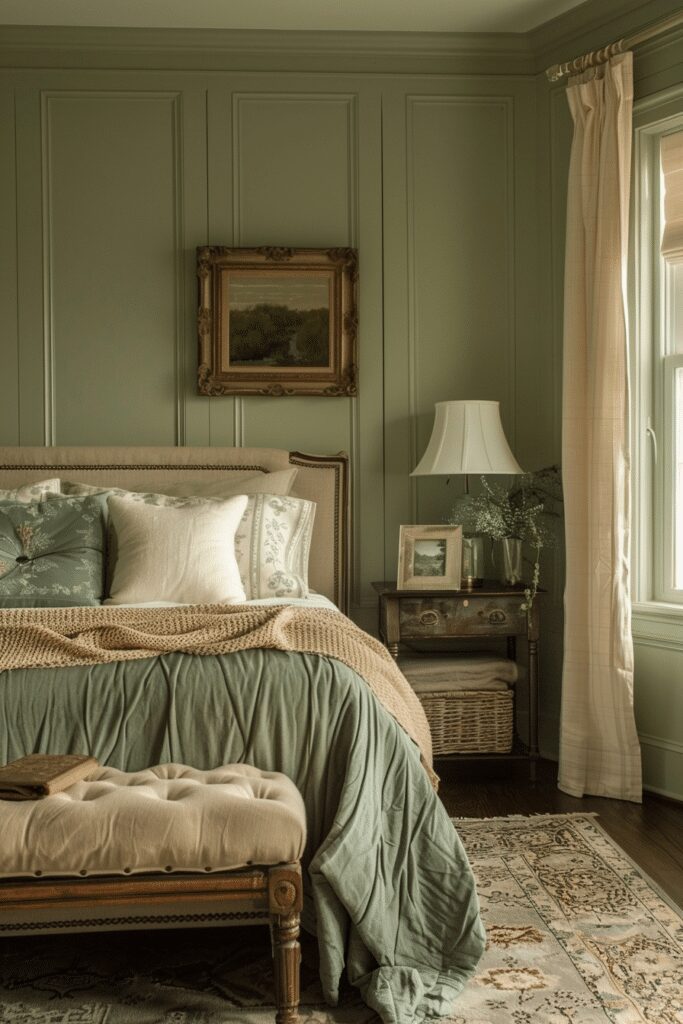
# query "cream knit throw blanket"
(55, 637)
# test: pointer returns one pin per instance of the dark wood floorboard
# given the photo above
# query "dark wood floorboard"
(651, 833)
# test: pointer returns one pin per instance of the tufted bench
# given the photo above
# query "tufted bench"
(160, 837)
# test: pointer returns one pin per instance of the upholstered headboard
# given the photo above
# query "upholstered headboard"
(323, 479)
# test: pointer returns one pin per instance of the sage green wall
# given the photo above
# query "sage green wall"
(658, 651)
(443, 160)
(120, 174)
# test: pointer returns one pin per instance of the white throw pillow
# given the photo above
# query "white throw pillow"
(272, 543)
(272, 546)
(184, 554)
(31, 492)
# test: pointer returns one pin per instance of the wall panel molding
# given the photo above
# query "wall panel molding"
(179, 234)
(294, 179)
(238, 425)
(9, 339)
(240, 103)
(503, 244)
(29, 241)
(52, 101)
(48, 324)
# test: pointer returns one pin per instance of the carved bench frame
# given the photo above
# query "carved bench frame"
(271, 895)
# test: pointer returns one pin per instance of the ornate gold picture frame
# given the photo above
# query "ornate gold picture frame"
(429, 558)
(277, 321)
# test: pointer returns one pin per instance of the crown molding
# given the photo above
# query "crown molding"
(591, 26)
(421, 53)
(217, 50)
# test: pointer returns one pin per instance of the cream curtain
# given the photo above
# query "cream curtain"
(599, 750)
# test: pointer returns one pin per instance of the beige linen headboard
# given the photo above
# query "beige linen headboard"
(323, 479)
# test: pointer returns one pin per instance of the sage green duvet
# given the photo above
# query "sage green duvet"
(391, 894)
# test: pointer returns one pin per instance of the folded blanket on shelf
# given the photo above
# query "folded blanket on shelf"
(448, 673)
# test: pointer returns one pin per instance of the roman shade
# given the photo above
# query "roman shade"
(672, 174)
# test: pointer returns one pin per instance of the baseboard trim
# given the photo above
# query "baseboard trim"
(676, 798)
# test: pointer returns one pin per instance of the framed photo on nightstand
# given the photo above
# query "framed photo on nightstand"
(429, 558)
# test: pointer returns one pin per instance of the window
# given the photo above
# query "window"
(673, 426)
(678, 486)
(657, 357)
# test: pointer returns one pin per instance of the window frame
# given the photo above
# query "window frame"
(657, 605)
(671, 368)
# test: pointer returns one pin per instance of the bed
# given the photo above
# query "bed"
(390, 894)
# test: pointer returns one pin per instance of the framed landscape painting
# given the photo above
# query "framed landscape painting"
(429, 558)
(277, 321)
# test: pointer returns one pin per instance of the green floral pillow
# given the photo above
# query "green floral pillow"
(32, 492)
(52, 552)
(272, 542)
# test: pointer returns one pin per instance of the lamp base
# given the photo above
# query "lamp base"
(470, 582)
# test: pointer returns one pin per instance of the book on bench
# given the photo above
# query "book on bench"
(40, 775)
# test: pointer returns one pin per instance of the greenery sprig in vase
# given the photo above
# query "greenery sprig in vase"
(519, 512)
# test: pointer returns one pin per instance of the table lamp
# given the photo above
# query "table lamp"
(468, 437)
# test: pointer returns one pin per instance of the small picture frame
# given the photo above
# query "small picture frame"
(429, 558)
(277, 321)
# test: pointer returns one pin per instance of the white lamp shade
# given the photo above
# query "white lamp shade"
(467, 437)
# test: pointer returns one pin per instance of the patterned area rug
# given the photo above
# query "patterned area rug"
(576, 934)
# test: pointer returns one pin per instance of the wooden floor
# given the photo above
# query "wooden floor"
(651, 833)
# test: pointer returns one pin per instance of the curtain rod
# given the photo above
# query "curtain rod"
(601, 56)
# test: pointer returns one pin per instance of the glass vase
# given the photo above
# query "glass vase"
(509, 560)
(472, 562)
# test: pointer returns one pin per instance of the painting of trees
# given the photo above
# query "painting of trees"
(275, 320)
(277, 335)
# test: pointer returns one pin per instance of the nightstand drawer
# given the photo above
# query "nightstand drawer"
(465, 615)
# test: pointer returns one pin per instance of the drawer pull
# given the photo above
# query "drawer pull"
(429, 619)
(497, 617)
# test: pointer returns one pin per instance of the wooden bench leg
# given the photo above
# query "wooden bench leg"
(285, 897)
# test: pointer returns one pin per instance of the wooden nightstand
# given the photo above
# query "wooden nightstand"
(408, 618)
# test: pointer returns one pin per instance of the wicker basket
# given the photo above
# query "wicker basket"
(469, 721)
